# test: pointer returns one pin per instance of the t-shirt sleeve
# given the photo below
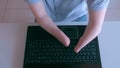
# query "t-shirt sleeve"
(32, 1)
(97, 4)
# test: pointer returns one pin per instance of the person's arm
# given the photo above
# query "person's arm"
(46, 23)
(96, 19)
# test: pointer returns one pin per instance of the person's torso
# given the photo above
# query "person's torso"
(65, 10)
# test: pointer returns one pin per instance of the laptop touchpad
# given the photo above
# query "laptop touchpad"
(71, 32)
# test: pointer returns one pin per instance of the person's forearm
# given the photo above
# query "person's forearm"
(46, 23)
(90, 33)
(94, 27)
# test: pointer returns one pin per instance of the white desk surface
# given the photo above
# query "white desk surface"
(13, 37)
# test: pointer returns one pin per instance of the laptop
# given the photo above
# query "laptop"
(42, 50)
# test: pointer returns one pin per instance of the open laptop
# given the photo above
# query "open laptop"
(44, 51)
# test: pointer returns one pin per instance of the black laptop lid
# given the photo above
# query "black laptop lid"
(88, 57)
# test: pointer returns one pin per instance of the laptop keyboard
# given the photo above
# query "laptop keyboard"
(53, 52)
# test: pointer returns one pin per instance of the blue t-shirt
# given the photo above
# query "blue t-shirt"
(69, 10)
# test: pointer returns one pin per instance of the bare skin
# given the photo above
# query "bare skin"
(96, 18)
